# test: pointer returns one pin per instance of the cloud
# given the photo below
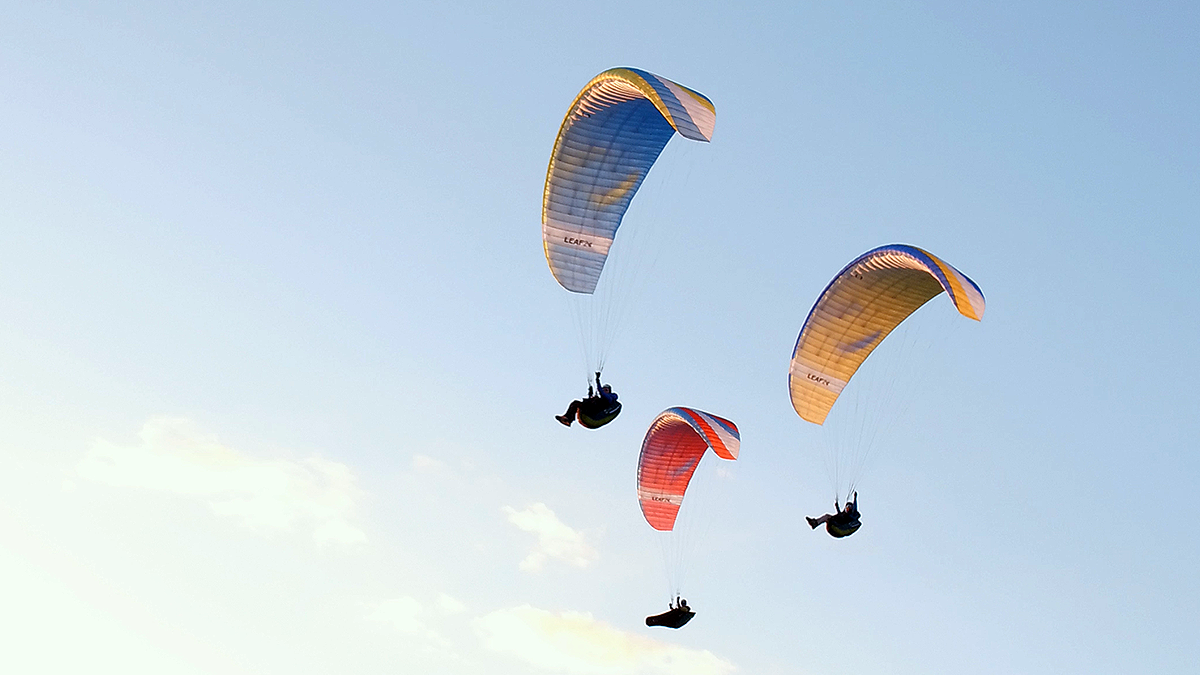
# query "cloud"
(406, 615)
(555, 538)
(427, 464)
(576, 644)
(174, 456)
(418, 640)
(402, 613)
(448, 605)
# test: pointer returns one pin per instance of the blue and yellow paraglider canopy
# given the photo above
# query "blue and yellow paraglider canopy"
(612, 134)
(865, 302)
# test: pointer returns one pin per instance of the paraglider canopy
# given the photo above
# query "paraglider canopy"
(868, 299)
(611, 136)
(670, 454)
(613, 133)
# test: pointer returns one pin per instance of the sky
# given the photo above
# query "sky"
(280, 351)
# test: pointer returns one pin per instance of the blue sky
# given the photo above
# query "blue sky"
(280, 350)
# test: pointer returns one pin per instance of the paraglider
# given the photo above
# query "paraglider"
(676, 617)
(843, 522)
(599, 408)
(860, 307)
(614, 131)
(671, 451)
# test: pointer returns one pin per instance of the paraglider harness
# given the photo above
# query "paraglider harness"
(845, 522)
(676, 617)
(597, 410)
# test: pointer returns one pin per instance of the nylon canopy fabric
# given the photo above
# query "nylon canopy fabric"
(858, 309)
(671, 451)
(611, 136)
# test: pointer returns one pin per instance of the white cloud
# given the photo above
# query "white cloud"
(405, 615)
(402, 613)
(408, 617)
(425, 463)
(577, 644)
(448, 605)
(175, 457)
(59, 617)
(555, 538)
